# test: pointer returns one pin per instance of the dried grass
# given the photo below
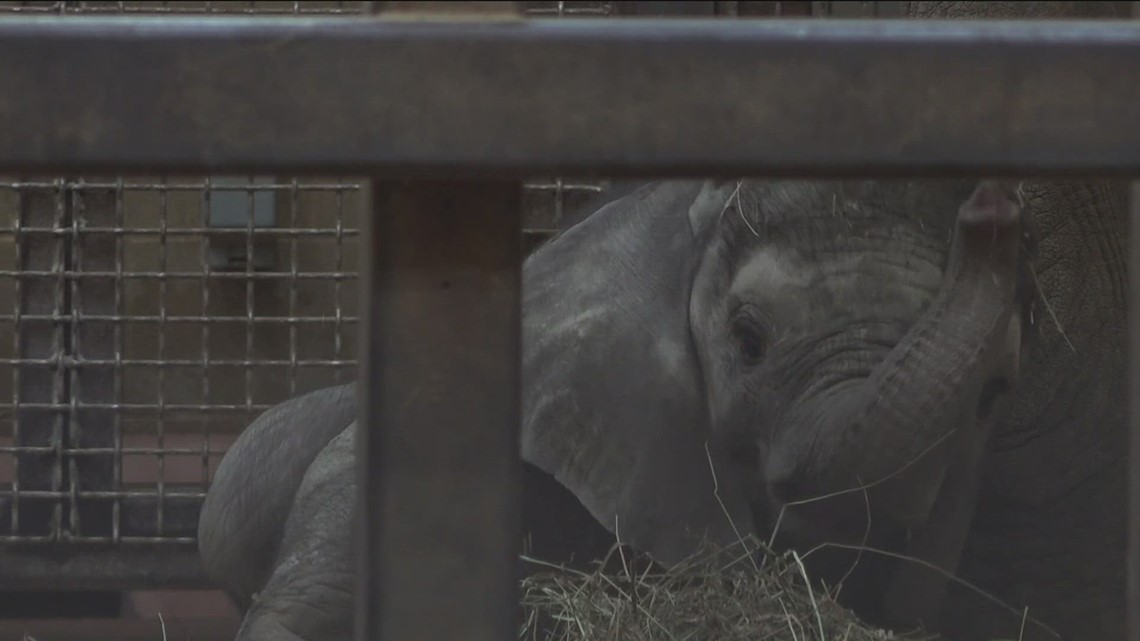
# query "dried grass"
(718, 595)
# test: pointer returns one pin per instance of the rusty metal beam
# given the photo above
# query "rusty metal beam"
(150, 629)
(438, 436)
(89, 567)
(677, 97)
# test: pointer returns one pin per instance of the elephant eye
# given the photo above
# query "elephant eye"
(750, 339)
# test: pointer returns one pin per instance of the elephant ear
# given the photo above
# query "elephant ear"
(613, 403)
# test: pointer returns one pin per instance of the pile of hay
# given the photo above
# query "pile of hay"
(716, 596)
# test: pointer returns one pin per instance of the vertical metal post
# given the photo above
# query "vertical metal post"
(1133, 590)
(438, 455)
(438, 449)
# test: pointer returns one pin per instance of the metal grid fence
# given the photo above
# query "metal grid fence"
(138, 320)
(142, 306)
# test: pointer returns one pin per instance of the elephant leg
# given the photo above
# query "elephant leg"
(309, 594)
(301, 607)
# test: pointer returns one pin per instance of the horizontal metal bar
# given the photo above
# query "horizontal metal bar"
(149, 629)
(166, 539)
(145, 518)
(128, 451)
(104, 494)
(197, 320)
(80, 567)
(207, 8)
(173, 275)
(128, 185)
(177, 363)
(168, 407)
(574, 96)
(277, 232)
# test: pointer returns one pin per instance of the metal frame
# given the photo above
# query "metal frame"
(848, 97)
(784, 98)
(68, 325)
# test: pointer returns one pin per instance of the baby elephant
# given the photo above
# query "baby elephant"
(700, 361)
(275, 526)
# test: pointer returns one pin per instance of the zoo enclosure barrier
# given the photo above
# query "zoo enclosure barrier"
(142, 304)
(784, 107)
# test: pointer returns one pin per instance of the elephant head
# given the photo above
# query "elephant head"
(703, 360)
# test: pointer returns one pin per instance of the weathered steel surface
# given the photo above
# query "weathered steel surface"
(439, 459)
(677, 97)
(85, 567)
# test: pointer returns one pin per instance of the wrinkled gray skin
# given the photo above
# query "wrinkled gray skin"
(1049, 528)
(276, 521)
(804, 339)
(275, 526)
(779, 342)
(794, 339)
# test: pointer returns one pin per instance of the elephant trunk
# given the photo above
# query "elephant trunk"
(935, 384)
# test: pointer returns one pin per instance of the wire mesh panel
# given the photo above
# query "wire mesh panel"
(140, 312)
(153, 319)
